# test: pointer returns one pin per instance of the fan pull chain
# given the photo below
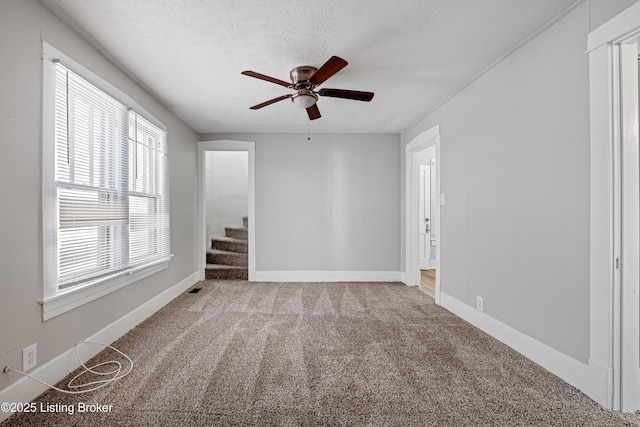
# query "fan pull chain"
(308, 126)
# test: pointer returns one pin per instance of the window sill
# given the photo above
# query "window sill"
(76, 297)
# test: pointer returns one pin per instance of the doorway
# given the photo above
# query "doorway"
(227, 178)
(203, 239)
(422, 209)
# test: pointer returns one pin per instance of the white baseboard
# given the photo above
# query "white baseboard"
(327, 276)
(592, 379)
(26, 389)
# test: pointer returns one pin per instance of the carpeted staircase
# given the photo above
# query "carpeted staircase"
(228, 258)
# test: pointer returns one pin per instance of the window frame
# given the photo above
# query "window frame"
(56, 300)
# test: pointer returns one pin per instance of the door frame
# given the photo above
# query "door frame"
(201, 240)
(412, 271)
(628, 218)
(614, 325)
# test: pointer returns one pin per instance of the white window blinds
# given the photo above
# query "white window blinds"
(111, 184)
(148, 191)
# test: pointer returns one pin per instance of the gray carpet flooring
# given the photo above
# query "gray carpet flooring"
(298, 354)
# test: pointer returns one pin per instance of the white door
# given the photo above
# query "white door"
(425, 219)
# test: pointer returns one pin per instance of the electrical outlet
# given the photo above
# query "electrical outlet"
(480, 304)
(442, 201)
(29, 357)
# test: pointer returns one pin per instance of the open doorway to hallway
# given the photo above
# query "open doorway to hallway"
(236, 205)
(422, 209)
(227, 202)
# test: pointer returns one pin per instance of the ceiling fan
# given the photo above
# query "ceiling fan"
(304, 80)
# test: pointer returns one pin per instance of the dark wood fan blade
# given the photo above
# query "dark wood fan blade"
(347, 94)
(271, 101)
(313, 112)
(328, 69)
(267, 78)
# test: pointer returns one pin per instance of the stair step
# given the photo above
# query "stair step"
(216, 256)
(245, 221)
(214, 271)
(240, 233)
(230, 244)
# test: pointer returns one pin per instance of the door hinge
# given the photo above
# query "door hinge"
(617, 262)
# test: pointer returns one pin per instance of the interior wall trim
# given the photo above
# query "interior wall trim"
(327, 276)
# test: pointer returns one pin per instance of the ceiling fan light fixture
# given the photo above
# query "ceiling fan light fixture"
(304, 98)
(304, 80)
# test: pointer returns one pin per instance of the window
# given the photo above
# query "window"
(148, 191)
(106, 188)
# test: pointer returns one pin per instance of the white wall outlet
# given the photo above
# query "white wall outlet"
(480, 304)
(442, 199)
(29, 357)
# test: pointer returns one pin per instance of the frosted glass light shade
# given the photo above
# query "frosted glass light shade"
(304, 100)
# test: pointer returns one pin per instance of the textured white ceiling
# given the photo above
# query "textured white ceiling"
(413, 54)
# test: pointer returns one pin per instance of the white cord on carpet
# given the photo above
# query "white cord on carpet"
(82, 388)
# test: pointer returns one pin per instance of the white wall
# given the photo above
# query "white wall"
(227, 178)
(329, 204)
(603, 10)
(22, 24)
(515, 174)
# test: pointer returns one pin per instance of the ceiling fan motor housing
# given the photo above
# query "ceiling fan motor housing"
(300, 76)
